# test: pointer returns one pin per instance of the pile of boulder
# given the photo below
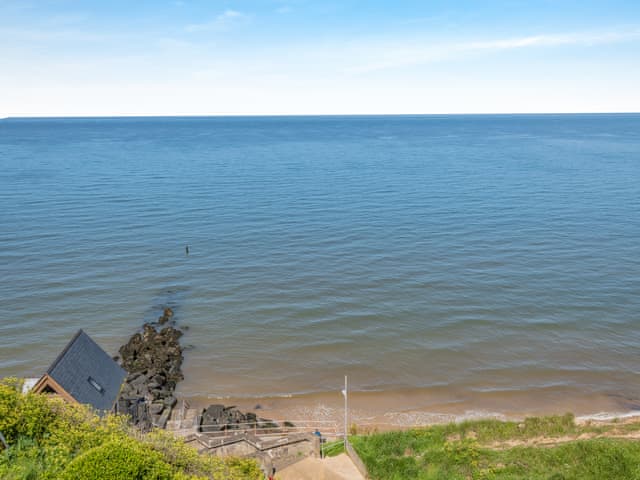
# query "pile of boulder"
(218, 418)
(153, 360)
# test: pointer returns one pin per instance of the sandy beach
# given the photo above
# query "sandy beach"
(380, 411)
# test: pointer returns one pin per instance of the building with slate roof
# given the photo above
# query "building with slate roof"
(83, 373)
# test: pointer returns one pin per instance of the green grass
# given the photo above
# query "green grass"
(333, 449)
(491, 449)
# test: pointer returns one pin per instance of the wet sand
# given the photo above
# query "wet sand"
(415, 407)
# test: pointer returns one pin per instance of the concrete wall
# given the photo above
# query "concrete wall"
(237, 449)
(273, 452)
(357, 461)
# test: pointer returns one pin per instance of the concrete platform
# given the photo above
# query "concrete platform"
(331, 468)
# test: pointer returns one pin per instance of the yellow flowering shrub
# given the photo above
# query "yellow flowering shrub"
(51, 439)
(122, 459)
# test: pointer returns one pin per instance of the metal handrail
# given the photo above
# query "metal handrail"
(236, 429)
(271, 429)
(333, 422)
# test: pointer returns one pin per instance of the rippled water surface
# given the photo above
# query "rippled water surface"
(477, 254)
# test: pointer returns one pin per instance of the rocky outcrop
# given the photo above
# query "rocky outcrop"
(167, 313)
(153, 360)
(218, 418)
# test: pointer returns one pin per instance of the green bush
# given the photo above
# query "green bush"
(50, 439)
(123, 459)
(23, 415)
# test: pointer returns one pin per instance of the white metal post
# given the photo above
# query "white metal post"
(345, 411)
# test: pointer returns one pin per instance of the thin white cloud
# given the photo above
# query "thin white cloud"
(555, 40)
(51, 34)
(397, 57)
(63, 19)
(174, 43)
(223, 22)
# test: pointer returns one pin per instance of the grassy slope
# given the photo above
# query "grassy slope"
(549, 448)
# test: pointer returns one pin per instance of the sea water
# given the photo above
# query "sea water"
(456, 254)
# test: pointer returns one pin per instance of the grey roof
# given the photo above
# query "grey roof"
(87, 372)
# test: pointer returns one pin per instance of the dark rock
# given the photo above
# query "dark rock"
(142, 391)
(212, 414)
(153, 360)
(156, 408)
(164, 418)
(122, 404)
(139, 380)
(160, 393)
(268, 425)
(218, 417)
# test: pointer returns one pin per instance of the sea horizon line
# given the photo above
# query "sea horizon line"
(307, 115)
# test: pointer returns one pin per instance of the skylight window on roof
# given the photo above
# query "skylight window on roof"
(95, 384)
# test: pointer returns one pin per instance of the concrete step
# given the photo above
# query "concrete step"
(339, 467)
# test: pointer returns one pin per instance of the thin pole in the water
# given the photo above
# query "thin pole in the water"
(186, 249)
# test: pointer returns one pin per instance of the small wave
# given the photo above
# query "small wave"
(407, 419)
(607, 416)
(256, 396)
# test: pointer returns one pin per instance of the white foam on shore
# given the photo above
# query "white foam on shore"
(406, 419)
(248, 397)
(607, 416)
(418, 418)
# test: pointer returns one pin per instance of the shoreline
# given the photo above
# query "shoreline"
(390, 410)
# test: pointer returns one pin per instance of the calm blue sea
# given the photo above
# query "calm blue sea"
(485, 254)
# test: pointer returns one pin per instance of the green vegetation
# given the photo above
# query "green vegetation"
(546, 448)
(51, 439)
(333, 449)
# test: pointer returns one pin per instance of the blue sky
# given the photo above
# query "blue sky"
(187, 57)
